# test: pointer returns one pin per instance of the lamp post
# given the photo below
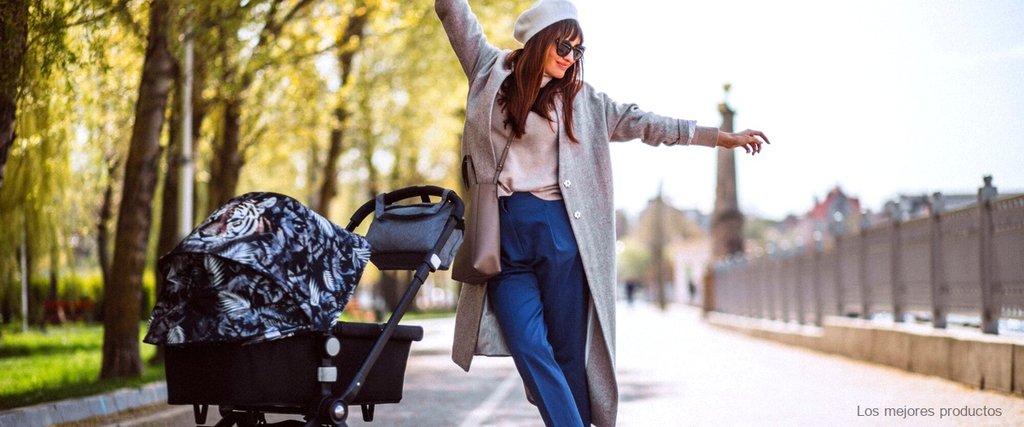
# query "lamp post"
(187, 171)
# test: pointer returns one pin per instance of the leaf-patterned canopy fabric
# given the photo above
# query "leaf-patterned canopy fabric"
(263, 266)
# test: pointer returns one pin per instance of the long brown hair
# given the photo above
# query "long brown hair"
(521, 92)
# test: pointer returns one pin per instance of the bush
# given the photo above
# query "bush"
(79, 296)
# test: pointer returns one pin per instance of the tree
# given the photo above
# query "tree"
(348, 45)
(122, 296)
(35, 165)
(14, 39)
(648, 245)
(243, 60)
(106, 213)
(110, 51)
(32, 33)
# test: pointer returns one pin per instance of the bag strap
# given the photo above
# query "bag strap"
(378, 208)
(504, 155)
(467, 164)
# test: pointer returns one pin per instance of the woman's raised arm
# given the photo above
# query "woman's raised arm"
(465, 33)
(627, 122)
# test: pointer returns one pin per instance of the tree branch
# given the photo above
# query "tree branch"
(119, 7)
(227, 15)
(296, 58)
(270, 31)
(268, 27)
(295, 10)
(129, 21)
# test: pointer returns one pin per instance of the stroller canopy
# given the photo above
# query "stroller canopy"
(263, 266)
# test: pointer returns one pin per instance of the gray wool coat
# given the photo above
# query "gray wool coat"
(585, 176)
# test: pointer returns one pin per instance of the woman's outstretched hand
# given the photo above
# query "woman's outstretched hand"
(750, 140)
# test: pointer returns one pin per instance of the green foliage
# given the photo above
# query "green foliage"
(406, 99)
(49, 198)
(81, 80)
(48, 24)
(33, 195)
(86, 286)
(58, 363)
(80, 294)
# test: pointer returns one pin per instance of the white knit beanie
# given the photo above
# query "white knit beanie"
(540, 15)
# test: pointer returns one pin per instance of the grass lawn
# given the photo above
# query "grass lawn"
(58, 363)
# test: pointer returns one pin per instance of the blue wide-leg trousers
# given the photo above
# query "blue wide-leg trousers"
(540, 300)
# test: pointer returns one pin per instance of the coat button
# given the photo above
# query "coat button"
(567, 183)
(577, 214)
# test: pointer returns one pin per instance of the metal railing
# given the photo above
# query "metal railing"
(966, 262)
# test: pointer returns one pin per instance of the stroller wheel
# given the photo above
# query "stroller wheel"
(335, 411)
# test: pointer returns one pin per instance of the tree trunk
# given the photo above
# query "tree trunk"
(329, 188)
(13, 38)
(353, 34)
(6, 309)
(122, 297)
(54, 276)
(372, 174)
(168, 236)
(102, 226)
(54, 309)
(199, 110)
(227, 162)
(391, 288)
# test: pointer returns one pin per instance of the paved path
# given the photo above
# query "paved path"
(697, 375)
(675, 370)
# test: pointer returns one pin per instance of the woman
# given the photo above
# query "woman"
(552, 307)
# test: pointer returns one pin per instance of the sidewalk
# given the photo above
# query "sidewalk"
(675, 369)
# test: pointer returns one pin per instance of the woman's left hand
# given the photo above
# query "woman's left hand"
(750, 140)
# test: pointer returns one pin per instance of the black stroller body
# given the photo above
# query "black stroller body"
(321, 372)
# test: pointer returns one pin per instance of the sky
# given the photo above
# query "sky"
(880, 98)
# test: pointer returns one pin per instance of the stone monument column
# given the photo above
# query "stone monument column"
(726, 219)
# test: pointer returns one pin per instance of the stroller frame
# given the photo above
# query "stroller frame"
(331, 407)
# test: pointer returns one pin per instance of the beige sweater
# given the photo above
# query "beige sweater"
(532, 163)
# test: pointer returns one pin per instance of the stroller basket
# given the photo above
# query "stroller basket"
(317, 372)
(284, 372)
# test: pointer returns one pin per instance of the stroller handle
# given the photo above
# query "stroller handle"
(422, 191)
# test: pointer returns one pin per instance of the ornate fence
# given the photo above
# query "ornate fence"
(965, 262)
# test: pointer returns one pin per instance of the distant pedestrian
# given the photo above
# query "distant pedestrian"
(552, 307)
(631, 288)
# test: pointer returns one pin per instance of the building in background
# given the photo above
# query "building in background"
(835, 215)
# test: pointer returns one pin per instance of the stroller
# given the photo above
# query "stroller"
(269, 340)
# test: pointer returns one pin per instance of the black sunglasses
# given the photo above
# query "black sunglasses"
(564, 47)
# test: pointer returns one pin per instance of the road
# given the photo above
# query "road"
(675, 370)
